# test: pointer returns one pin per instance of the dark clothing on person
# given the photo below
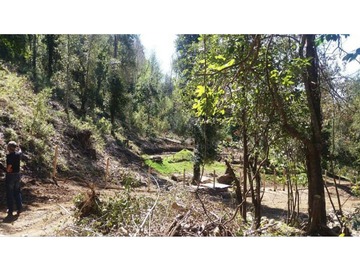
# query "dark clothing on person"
(13, 159)
(12, 182)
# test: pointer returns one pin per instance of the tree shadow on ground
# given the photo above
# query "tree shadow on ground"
(37, 192)
(229, 200)
(278, 213)
(344, 185)
(28, 196)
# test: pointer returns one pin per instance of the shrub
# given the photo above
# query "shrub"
(104, 126)
(356, 190)
(119, 215)
(10, 135)
(183, 155)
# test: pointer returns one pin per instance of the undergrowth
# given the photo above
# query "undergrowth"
(37, 123)
(119, 215)
(180, 162)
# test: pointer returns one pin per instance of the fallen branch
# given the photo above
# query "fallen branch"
(64, 209)
(151, 209)
(237, 209)
(177, 223)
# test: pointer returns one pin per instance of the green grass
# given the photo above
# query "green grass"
(183, 155)
(170, 165)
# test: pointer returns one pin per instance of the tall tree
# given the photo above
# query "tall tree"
(285, 70)
(53, 56)
(122, 76)
(13, 48)
(307, 64)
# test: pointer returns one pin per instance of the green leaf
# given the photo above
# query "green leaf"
(220, 57)
(200, 90)
(228, 64)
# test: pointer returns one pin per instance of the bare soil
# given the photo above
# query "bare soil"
(48, 208)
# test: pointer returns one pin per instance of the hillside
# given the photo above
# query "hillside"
(108, 175)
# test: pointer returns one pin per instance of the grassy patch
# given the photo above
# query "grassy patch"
(168, 168)
(183, 155)
(179, 162)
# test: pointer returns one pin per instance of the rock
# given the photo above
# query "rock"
(225, 179)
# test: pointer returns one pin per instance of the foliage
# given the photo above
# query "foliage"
(10, 135)
(104, 126)
(30, 117)
(168, 168)
(179, 162)
(119, 215)
(183, 155)
(129, 180)
(345, 126)
(13, 48)
(104, 77)
(355, 189)
(39, 125)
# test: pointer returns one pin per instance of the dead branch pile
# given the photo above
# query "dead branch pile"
(184, 225)
(88, 203)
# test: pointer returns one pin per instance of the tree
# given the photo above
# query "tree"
(13, 48)
(307, 63)
(122, 76)
(280, 72)
(53, 55)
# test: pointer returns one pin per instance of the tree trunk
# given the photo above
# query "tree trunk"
(115, 46)
(50, 43)
(67, 93)
(316, 186)
(246, 165)
(238, 193)
(196, 174)
(255, 191)
(312, 142)
(34, 58)
(314, 145)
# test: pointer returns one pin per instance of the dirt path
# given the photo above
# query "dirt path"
(37, 221)
(48, 208)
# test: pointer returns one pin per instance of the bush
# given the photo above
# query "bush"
(119, 216)
(104, 126)
(10, 135)
(38, 151)
(183, 155)
(356, 190)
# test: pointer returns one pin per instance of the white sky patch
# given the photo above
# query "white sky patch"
(350, 44)
(163, 46)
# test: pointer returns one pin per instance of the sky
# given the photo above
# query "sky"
(163, 46)
(158, 22)
(350, 44)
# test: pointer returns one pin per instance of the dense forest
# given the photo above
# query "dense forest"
(266, 108)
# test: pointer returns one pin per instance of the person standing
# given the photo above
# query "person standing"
(12, 178)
